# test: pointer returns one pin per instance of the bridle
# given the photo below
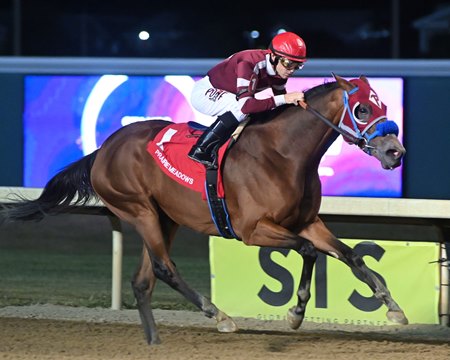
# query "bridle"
(360, 139)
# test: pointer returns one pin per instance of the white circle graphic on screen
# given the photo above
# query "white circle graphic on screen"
(94, 103)
(105, 86)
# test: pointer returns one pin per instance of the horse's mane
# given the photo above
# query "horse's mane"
(320, 89)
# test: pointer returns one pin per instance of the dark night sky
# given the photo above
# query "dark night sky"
(331, 29)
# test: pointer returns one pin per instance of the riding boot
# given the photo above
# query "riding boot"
(205, 150)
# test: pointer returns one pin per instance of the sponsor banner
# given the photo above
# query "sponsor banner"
(261, 283)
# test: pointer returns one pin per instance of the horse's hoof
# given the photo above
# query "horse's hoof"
(227, 326)
(397, 317)
(294, 319)
(155, 341)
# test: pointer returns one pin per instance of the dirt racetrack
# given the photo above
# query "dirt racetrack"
(56, 332)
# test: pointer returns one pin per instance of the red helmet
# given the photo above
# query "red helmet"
(289, 45)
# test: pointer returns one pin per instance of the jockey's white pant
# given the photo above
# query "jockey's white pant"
(208, 100)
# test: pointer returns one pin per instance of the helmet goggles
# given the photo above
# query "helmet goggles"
(291, 65)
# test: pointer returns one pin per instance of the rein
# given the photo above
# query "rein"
(359, 141)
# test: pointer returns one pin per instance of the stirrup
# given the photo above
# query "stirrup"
(209, 164)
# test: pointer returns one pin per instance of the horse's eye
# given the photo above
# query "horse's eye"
(362, 112)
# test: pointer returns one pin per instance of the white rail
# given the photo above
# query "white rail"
(386, 207)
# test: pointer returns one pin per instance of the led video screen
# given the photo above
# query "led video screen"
(66, 117)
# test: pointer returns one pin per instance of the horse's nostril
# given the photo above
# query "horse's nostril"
(396, 154)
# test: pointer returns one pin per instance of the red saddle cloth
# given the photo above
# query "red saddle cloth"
(170, 148)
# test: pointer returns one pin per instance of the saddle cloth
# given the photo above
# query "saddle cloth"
(170, 148)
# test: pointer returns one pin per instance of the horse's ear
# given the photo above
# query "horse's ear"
(344, 84)
(363, 78)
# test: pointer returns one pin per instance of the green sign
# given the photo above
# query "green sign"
(262, 283)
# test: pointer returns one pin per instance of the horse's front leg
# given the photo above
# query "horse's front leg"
(326, 242)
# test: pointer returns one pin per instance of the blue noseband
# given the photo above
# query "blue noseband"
(383, 129)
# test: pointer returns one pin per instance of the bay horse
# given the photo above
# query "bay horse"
(271, 182)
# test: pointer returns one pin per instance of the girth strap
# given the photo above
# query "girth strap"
(217, 206)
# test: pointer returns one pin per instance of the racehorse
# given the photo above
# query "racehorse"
(271, 185)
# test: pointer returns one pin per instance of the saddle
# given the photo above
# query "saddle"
(169, 149)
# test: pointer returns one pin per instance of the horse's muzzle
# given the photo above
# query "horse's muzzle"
(395, 156)
(389, 151)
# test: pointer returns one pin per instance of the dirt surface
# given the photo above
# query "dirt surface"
(56, 332)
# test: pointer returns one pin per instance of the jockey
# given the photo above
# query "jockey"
(228, 90)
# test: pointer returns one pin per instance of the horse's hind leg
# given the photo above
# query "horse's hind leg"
(143, 283)
(296, 314)
(155, 235)
(326, 242)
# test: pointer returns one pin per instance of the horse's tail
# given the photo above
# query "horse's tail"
(68, 188)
